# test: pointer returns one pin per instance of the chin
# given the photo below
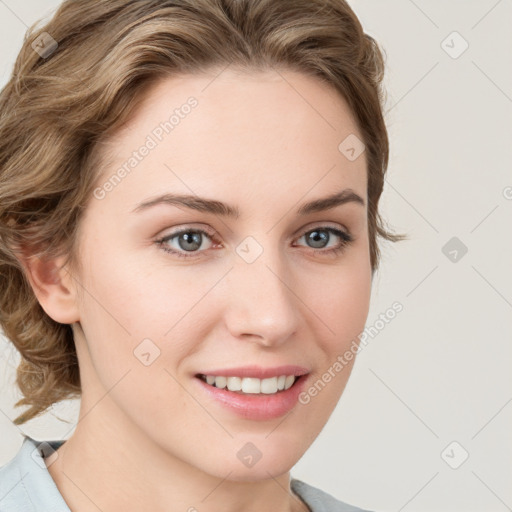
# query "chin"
(262, 470)
(251, 464)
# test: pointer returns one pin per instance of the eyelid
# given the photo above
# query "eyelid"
(320, 224)
(183, 228)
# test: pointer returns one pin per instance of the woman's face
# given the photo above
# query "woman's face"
(245, 281)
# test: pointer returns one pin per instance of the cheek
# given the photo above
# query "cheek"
(340, 299)
(132, 309)
(135, 324)
(140, 297)
(342, 306)
(354, 302)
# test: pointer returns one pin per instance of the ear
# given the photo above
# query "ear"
(54, 287)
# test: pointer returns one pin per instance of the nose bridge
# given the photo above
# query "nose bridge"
(261, 302)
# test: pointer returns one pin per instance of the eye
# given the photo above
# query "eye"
(185, 241)
(191, 242)
(320, 237)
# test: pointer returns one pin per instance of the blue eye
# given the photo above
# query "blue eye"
(321, 236)
(190, 241)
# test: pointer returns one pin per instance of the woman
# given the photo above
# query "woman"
(189, 219)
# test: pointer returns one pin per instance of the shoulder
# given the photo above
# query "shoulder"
(25, 483)
(318, 500)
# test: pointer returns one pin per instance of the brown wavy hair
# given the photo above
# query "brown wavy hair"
(59, 105)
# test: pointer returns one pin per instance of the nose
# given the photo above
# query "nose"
(261, 305)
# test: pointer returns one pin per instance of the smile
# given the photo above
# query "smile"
(252, 392)
(250, 385)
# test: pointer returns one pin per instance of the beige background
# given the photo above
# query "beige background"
(440, 371)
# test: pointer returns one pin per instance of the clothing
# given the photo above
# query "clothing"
(27, 486)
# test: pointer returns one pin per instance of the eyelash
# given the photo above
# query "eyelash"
(346, 239)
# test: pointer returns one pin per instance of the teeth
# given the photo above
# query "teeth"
(290, 379)
(234, 383)
(220, 382)
(269, 386)
(251, 385)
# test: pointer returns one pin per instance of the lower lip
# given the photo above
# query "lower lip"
(257, 406)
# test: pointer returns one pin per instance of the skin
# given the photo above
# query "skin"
(148, 438)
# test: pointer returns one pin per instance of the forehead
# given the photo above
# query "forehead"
(245, 128)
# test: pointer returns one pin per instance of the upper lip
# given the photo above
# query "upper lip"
(257, 372)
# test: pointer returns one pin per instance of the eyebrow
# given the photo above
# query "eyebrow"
(219, 208)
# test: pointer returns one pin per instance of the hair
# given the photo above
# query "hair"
(59, 106)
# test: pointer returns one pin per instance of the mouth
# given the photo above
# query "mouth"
(251, 385)
(254, 393)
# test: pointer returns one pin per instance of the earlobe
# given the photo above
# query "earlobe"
(54, 288)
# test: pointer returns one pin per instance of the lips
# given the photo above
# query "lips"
(253, 392)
